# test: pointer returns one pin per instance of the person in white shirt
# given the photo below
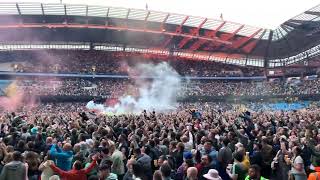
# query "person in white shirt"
(47, 172)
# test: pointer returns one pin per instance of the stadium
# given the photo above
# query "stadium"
(102, 92)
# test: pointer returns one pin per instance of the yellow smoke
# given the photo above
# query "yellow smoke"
(11, 90)
(240, 108)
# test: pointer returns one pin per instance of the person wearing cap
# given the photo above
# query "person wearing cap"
(188, 162)
(212, 175)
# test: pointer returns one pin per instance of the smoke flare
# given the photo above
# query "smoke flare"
(158, 87)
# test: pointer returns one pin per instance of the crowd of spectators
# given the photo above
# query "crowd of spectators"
(66, 141)
(201, 141)
(119, 87)
(101, 62)
(251, 88)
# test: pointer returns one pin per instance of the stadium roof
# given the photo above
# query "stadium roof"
(144, 28)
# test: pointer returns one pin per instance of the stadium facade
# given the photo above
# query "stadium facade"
(158, 34)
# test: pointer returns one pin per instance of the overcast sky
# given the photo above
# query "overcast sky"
(260, 13)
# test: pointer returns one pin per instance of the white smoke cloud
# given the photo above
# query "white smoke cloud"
(158, 88)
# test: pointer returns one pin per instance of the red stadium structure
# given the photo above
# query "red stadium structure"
(158, 34)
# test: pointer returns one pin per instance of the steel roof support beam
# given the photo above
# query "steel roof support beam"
(43, 25)
(194, 32)
(312, 13)
(19, 11)
(200, 25)
(127, 17)
(107, 17)
(162, 28)
(233, 34)
(291, 24)
(230, 36)
(147, 16)
(295, 21)
(284, 27)
(18, 8)
(243, 40)
(211, 34)
(184, 41)
(65, 9)
(65, 14)
(42, 10)
(214, 32)
(178, 30)
(266, 61)
(163, 22)
(252, 45)
(287, 41)
(87, 10)
(210, 45)
(146, 20)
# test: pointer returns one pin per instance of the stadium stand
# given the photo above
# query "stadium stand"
(247, 106)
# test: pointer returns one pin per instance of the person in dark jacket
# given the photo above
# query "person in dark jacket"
(145, 161)
(256, 157)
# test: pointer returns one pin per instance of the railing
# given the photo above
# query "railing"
(18, 74)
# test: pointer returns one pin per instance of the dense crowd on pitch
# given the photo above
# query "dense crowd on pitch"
(100, 62)
(65, 141)
(116, 88)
